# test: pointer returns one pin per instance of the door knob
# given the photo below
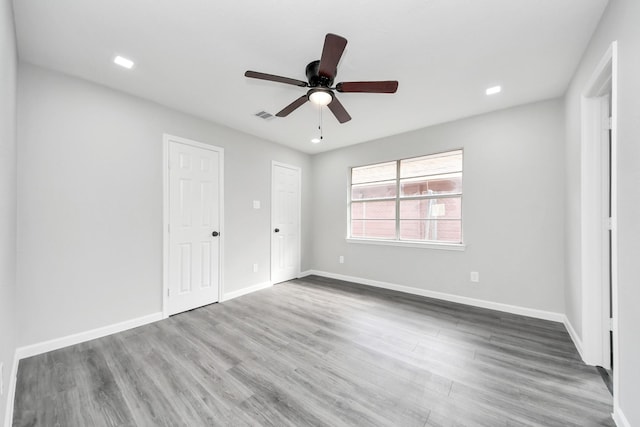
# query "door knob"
(277, 230)
(215, 234)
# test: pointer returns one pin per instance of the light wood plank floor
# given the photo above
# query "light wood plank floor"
(319, 352)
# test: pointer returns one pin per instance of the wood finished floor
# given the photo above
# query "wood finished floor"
(319, 352)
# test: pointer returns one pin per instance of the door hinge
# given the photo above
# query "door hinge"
(168, 228)
(168, 292)
(611, 324)
(610, 122)
(609, 224)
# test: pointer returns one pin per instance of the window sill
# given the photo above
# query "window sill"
(409, 244)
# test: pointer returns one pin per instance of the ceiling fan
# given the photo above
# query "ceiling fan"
(320, 75)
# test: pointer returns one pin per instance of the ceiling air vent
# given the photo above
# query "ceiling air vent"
(265, 115)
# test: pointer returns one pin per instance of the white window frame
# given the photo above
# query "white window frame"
(423, 244)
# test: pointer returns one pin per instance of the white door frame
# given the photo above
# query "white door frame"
(595, 299)
(166, 140)
(298, 249)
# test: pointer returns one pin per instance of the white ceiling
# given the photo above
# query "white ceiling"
(191, 55)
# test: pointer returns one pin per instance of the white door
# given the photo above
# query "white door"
(607, 241)
(285, 222)
(194, 225)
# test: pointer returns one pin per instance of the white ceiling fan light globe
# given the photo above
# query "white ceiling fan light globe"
(321, 97)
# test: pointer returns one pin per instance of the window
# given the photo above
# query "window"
(415, 200)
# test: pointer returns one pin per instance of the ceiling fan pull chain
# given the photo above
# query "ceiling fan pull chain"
(320, 124)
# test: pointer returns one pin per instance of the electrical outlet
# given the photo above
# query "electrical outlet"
(341, 259)
(255, 268)
(475, 277)
(256, 204)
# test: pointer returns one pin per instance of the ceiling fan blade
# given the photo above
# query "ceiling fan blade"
(274, 78)
(291, 107)
(331, 53)
(387, 86)
(338, 110)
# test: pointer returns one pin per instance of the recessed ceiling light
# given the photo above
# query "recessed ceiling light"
(123, 62)
(315, 140)
(493, 90)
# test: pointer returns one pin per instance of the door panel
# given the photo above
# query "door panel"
(194, 213)
(285, 218)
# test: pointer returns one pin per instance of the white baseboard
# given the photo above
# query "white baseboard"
(244, 291)
(308, 273)
(619, 418)
(57, 343)
(507, 308)
(574, 336)
(54, 344)
(11, 392)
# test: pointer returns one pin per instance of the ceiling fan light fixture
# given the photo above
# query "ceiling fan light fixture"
(320, 97)
(315, 140)
(320, 75)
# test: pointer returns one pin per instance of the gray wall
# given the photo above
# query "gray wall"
(619, 22)
(512, 209)
(8, 64)
(90, 203)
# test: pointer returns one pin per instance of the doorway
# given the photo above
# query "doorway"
(598, 217)
(285, 222)
(193, 197)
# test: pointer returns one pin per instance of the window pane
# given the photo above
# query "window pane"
(446, 208)
(431, 165)
(378, 190)
(438, 230)
(379, 229)
(374, 210)
(371, 173)
(438, 184)
(426, 193)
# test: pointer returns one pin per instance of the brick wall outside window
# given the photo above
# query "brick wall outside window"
(417, 199)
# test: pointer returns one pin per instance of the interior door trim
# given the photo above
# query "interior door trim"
(299, 244)
(167, 139)
(594, 309)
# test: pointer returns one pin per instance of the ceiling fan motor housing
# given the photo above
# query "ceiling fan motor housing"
(314, 77)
